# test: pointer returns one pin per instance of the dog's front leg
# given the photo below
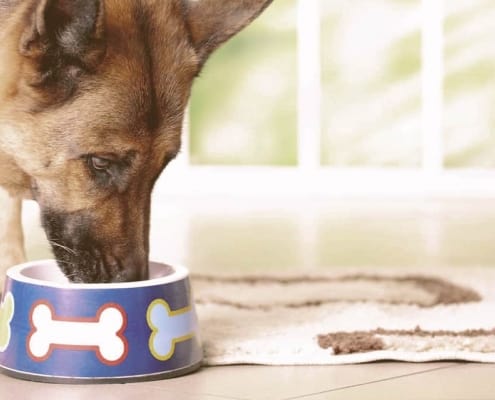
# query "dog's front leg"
(11, 235)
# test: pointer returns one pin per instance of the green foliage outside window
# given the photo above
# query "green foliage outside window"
(244, 105)
(371, 55)
(243, 108)
(469, 120)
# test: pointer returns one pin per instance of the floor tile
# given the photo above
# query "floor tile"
(465, 382)
(14, 389)
(271, 383)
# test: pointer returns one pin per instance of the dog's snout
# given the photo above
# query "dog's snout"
(132, 268)
(91, 267)
(88, 256)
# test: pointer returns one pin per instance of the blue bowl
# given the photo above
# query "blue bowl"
(55, 331)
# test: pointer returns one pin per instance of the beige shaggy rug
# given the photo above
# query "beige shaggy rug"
(343, 318)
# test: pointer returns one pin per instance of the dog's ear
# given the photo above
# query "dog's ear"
(63, 36)
(212, 22)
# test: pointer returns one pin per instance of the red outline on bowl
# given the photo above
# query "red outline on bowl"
(95, 349)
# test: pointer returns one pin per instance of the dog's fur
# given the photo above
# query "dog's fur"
(92, 99)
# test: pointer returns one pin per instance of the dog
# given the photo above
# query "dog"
(92, 101)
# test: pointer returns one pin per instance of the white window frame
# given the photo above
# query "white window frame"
(309, 178)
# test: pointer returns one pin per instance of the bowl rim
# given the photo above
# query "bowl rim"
(15, 273)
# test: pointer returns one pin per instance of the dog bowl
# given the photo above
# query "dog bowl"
(55, 331)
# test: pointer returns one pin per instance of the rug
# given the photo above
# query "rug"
(344, 318)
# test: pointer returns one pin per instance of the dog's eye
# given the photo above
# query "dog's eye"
(108, 170)
(100, 164)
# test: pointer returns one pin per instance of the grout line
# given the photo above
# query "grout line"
(377, 381)
(193, 393)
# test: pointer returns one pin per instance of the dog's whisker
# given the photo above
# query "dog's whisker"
(68, 249)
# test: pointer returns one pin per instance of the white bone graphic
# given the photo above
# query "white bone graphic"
(169, 328)
(102, 334)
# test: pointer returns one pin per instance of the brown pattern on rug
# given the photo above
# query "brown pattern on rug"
(363, 316)
(365, 341)
(440, 290)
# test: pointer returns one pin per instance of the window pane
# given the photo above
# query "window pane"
(243, 109)
(371, 68)
(469, 119)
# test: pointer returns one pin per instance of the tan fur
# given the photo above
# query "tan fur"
(11, 235)
(141, 61)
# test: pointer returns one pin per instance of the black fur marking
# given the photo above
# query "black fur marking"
(149, 106)
(77, 255)
(63, 40)
(81, 255)
(71, 24)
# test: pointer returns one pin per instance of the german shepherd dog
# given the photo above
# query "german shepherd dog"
(92, 100)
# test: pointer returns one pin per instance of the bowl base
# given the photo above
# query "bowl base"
(81, 381)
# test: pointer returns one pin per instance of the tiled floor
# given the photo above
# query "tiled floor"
(435, 381)
(219, 236)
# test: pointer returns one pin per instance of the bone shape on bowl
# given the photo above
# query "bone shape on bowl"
(6, 316)
(102, 334)
(169, 328)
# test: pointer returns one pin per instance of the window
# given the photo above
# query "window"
(371, 83)
(469, 84)
(243, 108)
(337, 97)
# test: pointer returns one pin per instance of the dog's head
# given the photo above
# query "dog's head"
(92, 98)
